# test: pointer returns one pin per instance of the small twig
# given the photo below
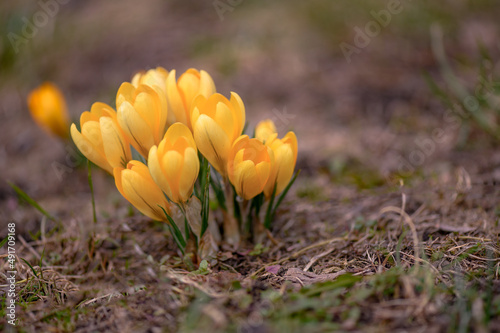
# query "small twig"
(183, 279)
(317, 257)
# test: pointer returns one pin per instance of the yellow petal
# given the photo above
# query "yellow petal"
(189, 174)
(175, 102)
(264, 130)
(126, 92)
(102, 110)
(140, 190)
(207, 86)
(89, 151)
(116, 147)
(177, 131)
(245, 180)
(146, 106)
(212, 142)
(285, 157)
(225, 118)
(189, 86)
(291, 139)
(156, 170)
(172, 163)
(135, 128)
(239, 113)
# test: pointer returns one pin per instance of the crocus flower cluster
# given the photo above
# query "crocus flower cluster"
(159, 142)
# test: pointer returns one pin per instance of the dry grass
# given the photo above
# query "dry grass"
(400, 264)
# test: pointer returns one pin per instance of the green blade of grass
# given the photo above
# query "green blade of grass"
(4, 241)
(32, 269)
(32, 202)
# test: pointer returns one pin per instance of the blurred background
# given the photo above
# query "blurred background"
(375, 90)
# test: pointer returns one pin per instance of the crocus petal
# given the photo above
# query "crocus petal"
(116, 148)
(212, 142)
(207, 85)
(135, 128)
(156, 171)
(137, 186)
(189, 173)
(175, 102)
(89, 151)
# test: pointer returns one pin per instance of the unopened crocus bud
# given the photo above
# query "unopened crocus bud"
(142, 114)
(174, 164)
(285, 157)
(181, 93)
(249, 166)
(101, 139)
(217, 122)
(138, 187)
(48, 108)
(152, 77)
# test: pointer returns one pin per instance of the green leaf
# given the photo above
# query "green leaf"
(268, 218)
(32, 202)
(283, 194)
(203, 269)
(205, 202)
(175, 231)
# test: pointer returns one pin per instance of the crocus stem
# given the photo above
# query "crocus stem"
(91, 185)
(246, 221)
(231, 229)
(259, 231)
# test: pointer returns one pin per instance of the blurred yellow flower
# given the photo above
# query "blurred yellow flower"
(181, 93)
(249, 166)
(48, 108)
(217, 122)
(285, 157)
(174, 164)
(264, 129)
(101, 140)
(138, 187)
(142, 114)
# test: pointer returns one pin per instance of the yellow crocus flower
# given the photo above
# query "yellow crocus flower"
(153, 77)
(285, 157)
(217, 122)
(48, 108)
(174, 164)
(181, 93)
(138, 187)
(156, 77)
(264, 130)
(249, 166)
(101, 140)
(142, 114)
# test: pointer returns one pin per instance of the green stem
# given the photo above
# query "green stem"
(231, 228)
(92, 191)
